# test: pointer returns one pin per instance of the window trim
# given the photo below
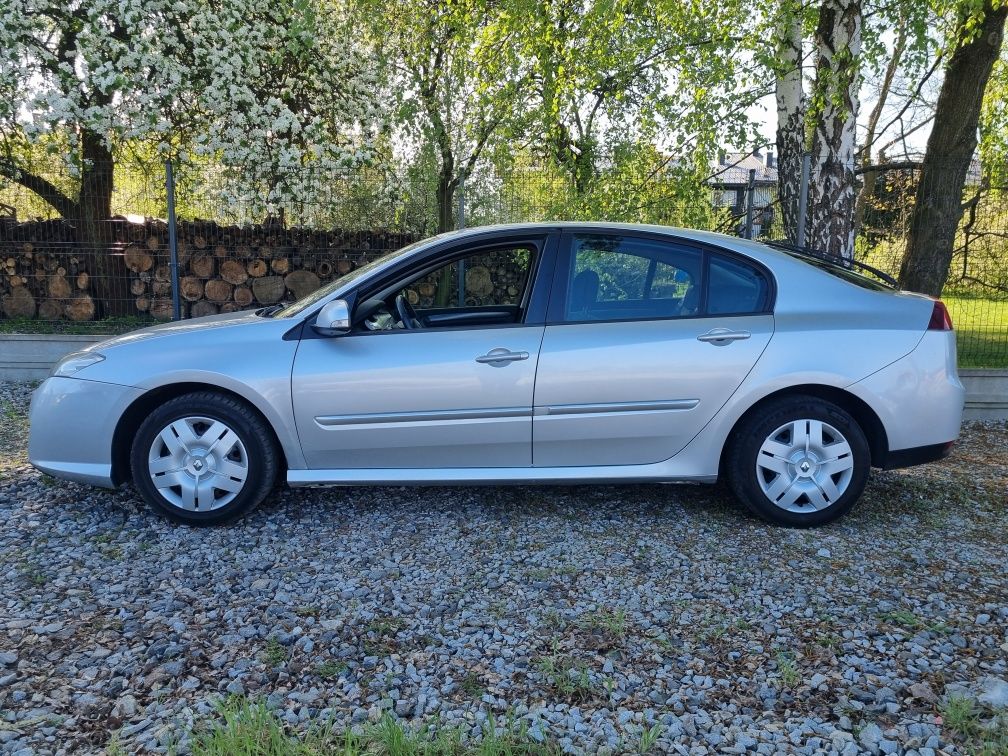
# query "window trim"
(544, 241)
(556, 310)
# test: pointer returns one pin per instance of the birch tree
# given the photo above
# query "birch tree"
(833, 115)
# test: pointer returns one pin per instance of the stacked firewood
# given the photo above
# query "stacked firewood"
(228, 268)
(48, 273)
(44, 272)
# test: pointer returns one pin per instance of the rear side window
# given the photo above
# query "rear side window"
(735, 288)
(625, 278)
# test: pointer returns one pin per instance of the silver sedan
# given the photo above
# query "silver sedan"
(546, 353)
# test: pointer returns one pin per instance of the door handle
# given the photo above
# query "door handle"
(498, 357)
(722, 336)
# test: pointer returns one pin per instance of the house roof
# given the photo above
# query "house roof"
(735, 171)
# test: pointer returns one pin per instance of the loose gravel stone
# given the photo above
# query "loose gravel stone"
(589, 613)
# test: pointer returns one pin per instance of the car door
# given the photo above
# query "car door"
(646, 339)
(456, 393)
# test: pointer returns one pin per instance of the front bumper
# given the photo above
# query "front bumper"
(71, 425)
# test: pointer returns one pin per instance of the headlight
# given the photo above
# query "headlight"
(74, 363)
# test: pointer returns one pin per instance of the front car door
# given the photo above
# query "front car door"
(647, 337)
(454, 392)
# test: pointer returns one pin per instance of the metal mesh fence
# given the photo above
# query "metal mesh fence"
(247, 241)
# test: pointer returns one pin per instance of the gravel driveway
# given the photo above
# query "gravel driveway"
(592, 614)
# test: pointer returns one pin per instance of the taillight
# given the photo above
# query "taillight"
(940, 318)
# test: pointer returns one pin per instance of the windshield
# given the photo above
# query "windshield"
(318, 295)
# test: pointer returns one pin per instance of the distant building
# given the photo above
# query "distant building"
(730, 181)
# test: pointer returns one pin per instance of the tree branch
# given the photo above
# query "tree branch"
(43, 188)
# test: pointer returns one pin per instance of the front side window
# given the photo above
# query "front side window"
(489, 278)
(623, 278)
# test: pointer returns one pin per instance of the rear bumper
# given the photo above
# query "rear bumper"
(919, 400)
(918, 455)
(72, 422)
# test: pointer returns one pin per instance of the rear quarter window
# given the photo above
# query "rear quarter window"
(735, 288)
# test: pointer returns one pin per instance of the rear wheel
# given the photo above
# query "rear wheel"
(203, 458)
(799, 461)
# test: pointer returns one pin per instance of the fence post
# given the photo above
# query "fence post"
(460, 222)
(173, 241)
(750, 199)
(806, 165)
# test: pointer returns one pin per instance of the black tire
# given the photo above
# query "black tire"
(744, 478)
(259, 455)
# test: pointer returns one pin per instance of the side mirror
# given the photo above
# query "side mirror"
(333, 319)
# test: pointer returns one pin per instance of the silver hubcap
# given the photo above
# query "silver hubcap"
(198, 464)
(804, 466)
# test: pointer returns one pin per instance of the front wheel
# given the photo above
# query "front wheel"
(799, 461)
(203, 458)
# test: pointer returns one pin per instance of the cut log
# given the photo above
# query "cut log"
(280, 266)
(243, 296)
(302, 283)
(83, 279)
(233, 272)
(19, 303)
(269, 289)
(324, 268)
(81, 307)
(201, 308)
(137, 287)
(143, 304)
(161, 288)
(344, 266)
(426, 289)
(217, 290)
(161, 309)
(191, 288)
(257, 268)
(229, 307)
(153, 243)
(199, 242)
(202, 266)
(59, 287)
(137, 259)
(50, 309)
(220, 251)
(162, 273)
(478, 281)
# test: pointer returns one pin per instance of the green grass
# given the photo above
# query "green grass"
(241, 726)
(981, 330)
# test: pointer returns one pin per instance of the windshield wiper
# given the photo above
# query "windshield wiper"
(835, 260)
(268, 312)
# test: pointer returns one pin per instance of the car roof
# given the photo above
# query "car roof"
(752, 249)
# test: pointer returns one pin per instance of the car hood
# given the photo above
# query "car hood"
(182, 328)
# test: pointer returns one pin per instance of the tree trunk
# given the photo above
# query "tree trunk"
(938, 206)
(831, 186)
(446, 222)
(446, 199)
(95, 207)
(790, 97)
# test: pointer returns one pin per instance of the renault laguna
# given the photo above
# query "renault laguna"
(537, 353)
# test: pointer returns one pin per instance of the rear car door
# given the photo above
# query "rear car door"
(454, 393)
(646, 338)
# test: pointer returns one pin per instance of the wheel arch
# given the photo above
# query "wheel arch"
(130, 420)
(866, 418)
